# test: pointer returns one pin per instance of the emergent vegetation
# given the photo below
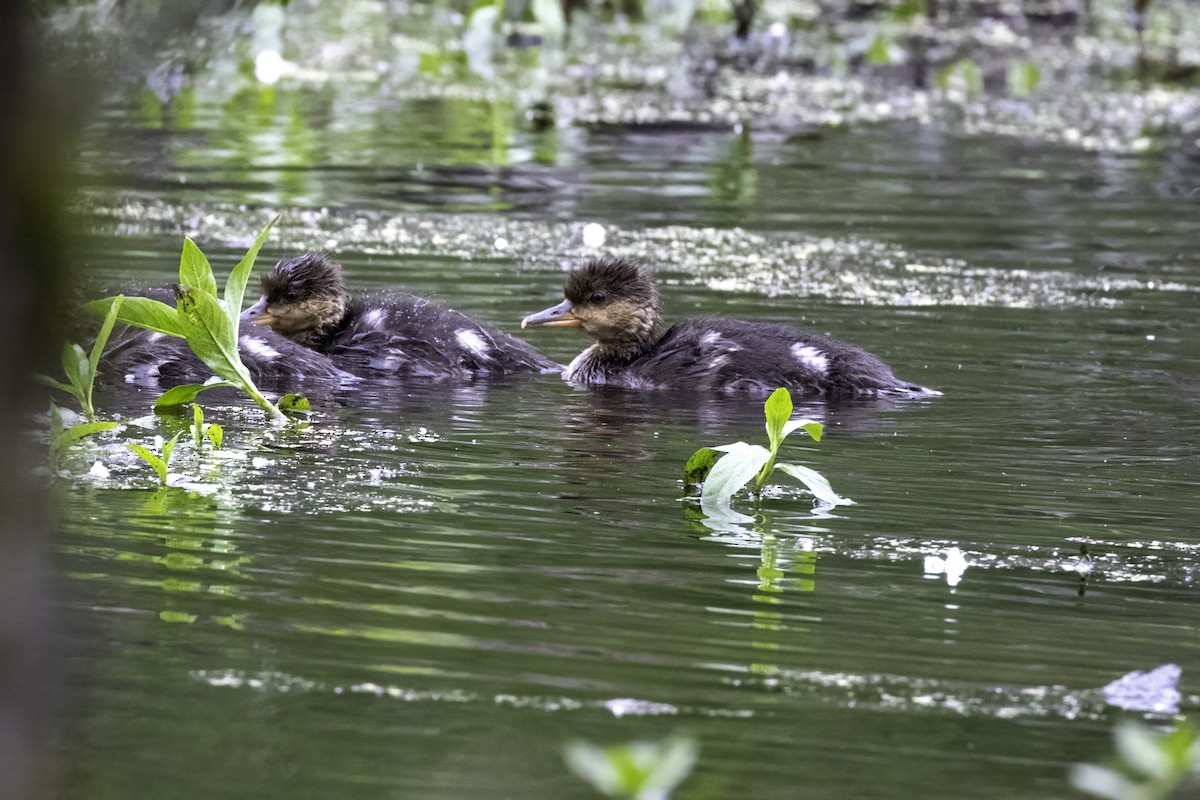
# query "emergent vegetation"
(1150, 766)
(207, 321)
(636, 771)
(721, 477)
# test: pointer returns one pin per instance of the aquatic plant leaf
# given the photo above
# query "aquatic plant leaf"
(215, 434)
(75, 364)
(816, 483)
(811, 427)
(880, 51)
(1103, 782)
(635, 770)
(479, 39)
(734, 470)
(160, 466)
(235, 284)
(186, 393)
(106, 327)
(549, 15)
(1023, 77)
(1139, 747)
(699, 465)
(778, 409)
(908, 10)
(65, 438)
(194, 270)
(54, 384)
(294, 402)
(963, 75)
(197, 427)
(169, 448)
(141, 312)
(211, 335)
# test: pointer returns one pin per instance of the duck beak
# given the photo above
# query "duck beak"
(561, 316)
(257, 314)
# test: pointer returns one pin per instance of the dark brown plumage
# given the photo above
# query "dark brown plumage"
(305, 299)
(616, 302)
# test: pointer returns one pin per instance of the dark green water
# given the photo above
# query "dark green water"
(431, 589)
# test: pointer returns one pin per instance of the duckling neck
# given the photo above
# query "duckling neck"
(335, 319)
(601, 361)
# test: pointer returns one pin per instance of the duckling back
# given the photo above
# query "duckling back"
(726, 355)
(406, 335)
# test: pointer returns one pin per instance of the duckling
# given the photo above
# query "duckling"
(616, 302)
(305, 299)
(147, 357)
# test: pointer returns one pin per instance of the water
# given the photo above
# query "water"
(431, 588)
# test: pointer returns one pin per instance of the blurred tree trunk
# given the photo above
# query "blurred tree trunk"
(33, 121)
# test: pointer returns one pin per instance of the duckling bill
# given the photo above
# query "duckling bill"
(306, 300)
(616, 302)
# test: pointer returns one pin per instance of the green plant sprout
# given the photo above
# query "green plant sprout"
(80, 367)
(62, 437)
(201, 431)
(721, 477)
(208, 322)
(159, 464)
(635, 771)
(1150, 766)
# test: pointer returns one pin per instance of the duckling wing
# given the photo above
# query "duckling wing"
(726, 355)
(410, 336)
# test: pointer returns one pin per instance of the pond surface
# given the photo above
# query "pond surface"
(430, 589)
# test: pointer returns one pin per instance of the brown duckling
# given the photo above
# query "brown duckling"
(305, 299)
(616, 302)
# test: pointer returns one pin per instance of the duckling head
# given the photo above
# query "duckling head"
(613, 300)
(303, 298)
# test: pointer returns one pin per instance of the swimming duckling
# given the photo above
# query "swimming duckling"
(150, 358)
(616, 302)
(305, 299)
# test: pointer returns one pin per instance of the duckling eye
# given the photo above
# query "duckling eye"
(599, 297)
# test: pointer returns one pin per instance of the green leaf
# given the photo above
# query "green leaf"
(549, 15)
(211, 335)
(141, 312)
(68, 437)
(197, 425)
(294, 402)
(635, 770)
(215, 434)
(194, 270)
(778, 409)
(811, 427)
(699, 465)
(816, 483)
(186, 393)
(53, 384)
(880, 51)
(1023, 77)
(75, 364)
(963, 75)
(153, 460)
(734, 470)
(168, 449)
(110, 319)
(1139, 747)
(908, 10)
(1103, 782)
(235, 284)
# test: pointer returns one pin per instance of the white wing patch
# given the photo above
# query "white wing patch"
(259, 348)
(810, 357)
(375, 318)
(710, 339)
(472, 341)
